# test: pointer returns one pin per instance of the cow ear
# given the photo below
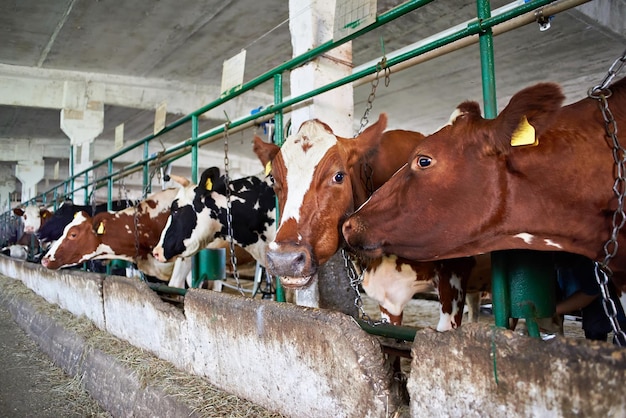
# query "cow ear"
(209, 177)
(183, 181)
(266, 151)
(530, 113)
(18, 211)
(365, 143)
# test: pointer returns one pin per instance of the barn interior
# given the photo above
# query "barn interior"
(132, 62)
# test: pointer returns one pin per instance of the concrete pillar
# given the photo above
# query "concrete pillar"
(29, 173)
(7, 186)
(311, 24)
(82, 120)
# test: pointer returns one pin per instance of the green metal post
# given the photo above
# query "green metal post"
(147, 186)
(109, 267)
(487, 63)
(194, 149)
(501, 299)
(197, 260)
(71, 174)
(278, 140)
(86, 188)
(109, 186)
(515, 275)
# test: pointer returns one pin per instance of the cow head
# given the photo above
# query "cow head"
(198, 216)
(78, 244)
(311, 174)
(465, 185)
(190, 226)
(33, 217)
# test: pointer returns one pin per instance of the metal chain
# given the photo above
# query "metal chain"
(381, 66)
(229, 214)
(355, 282)
(357, 279)
(601, 93)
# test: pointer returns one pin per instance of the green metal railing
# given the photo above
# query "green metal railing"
(480, 26)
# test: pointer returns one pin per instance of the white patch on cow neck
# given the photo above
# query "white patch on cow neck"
(301, 154)
(526, 237)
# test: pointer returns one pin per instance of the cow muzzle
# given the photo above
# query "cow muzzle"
(353, 230)
(294, 263)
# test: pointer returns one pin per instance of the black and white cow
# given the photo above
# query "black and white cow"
(199, 217)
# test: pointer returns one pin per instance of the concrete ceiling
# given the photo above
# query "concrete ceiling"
(148, 51)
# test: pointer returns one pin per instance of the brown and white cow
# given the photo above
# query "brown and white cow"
(539, 176)
(319, 178)
(129, 234)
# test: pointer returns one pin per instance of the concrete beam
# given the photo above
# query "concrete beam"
(38, 87)
(24, 149)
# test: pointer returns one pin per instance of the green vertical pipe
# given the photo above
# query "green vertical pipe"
(501, 298)
(487, 62)
(147, 186)
(109, 185)
(86, 188)
(500, 294)
(196, 272)
(278, 140)
(71, 174)
(194, 149)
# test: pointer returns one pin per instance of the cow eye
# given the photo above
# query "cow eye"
(422, 162)
(338, 177)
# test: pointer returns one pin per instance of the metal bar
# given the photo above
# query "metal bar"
(194, 149)
(278, 139)
(146, 168)
(487, 63)
(109, 187)
(387, 330)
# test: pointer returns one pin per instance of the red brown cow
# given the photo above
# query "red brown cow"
(129, 234)
(319, 178)
(469, 189)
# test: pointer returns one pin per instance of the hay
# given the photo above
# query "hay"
(204, 399)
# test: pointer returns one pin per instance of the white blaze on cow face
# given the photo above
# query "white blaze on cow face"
(78, 219)
(301, 155)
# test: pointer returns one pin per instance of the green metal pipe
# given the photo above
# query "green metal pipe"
(167, 289)
(194, 149)
(86, 187)
(109, 187)
(146, 168)
(487, 62)
(388, 330)
(278, 139)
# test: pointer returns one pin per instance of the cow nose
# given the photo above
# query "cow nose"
(348, 228)
(291, 261)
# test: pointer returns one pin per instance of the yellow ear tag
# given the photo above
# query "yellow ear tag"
(524, 134)
(268, 167)
(208, 185)
(100, 230)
